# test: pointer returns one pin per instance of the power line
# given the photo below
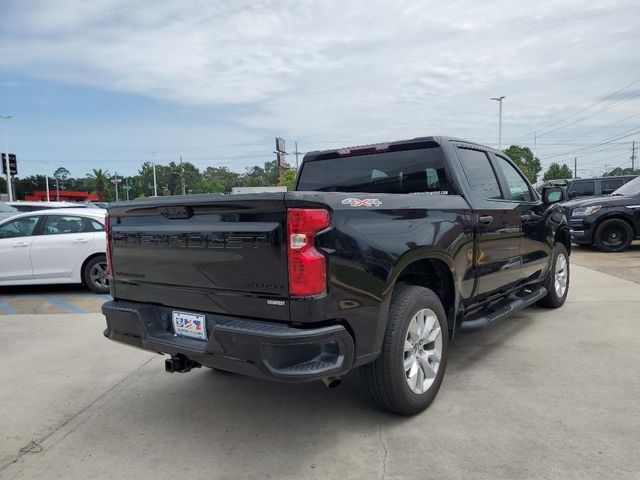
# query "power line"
(603, 109)
(608, 125)
(594, 145)
(579, 111)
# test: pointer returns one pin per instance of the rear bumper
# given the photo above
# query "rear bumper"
(250, 347)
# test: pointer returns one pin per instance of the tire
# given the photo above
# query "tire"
(557, 283)
(94, 274)
(613, 235)
(386, 379)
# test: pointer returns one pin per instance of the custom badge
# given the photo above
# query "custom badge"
(362, 202)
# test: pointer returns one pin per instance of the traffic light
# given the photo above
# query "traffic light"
(13, 164)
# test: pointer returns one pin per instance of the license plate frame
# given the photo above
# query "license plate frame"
(189, 325)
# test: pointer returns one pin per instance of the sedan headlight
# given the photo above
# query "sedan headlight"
(585, 211)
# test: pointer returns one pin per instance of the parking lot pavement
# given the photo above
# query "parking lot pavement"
(544, 394)
(38, 299)
(623, 264)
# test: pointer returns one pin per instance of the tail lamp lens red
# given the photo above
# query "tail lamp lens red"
(307, 266)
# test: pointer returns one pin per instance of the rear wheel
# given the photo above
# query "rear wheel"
(613, 235)
(406, 377)
(557, 283)
(95, 274)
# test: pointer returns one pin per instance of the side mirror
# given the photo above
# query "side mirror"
(553, 194)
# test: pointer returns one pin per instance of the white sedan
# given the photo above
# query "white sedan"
(65, 245)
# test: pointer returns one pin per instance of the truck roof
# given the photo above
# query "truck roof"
(384, 146)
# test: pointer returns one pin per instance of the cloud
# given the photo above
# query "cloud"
(339, 71)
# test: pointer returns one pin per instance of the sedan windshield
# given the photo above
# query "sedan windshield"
(630, 188)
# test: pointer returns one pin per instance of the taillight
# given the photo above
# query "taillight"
(107, 231)
(307, 266)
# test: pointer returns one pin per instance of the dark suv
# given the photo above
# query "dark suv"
(595, 187)
(610, 223)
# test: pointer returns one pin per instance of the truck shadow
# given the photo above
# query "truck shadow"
(226, 398)
(228, 419)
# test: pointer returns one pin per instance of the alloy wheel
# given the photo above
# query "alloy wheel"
(98, 275)
(560, 283)
(422, 350)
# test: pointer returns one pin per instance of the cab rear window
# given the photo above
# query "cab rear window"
(409, 171)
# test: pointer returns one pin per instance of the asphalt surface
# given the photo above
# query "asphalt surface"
(545, 394)
(622, 264)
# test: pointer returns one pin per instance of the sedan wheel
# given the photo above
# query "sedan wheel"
(99, 275)
(95, 275)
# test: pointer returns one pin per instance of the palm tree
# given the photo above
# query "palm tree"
(100, 178)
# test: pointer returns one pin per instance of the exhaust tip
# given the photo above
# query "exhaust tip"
(331, 382)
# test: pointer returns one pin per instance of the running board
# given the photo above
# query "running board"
(515, 305)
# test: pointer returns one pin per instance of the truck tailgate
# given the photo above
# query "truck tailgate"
(210, 253)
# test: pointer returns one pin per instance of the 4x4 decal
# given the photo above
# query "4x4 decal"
(362, 202)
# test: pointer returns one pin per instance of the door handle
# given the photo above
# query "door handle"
(485, 219)
(81, 240)
(525, 217)
(21, 244)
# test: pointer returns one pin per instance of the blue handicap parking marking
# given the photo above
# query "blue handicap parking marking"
(7, 309)
(66, 305)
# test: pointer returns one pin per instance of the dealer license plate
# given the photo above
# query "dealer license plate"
(192, 325)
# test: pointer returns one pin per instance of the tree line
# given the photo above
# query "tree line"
(171, 179)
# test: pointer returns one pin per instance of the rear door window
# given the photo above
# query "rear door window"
(408, 171)
(582, 189)
(607, 187)
(61, 224)
(480, 173)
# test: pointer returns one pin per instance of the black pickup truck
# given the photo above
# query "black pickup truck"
(382, 254)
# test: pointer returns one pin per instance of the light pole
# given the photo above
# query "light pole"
(116, 181)
(155, 183)
(6, 159)
(499, 100)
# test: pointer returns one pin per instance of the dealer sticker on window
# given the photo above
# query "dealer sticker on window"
(192, 325)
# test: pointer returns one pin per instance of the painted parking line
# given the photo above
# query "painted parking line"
(7, 309)
(66, 305)
(37, 303)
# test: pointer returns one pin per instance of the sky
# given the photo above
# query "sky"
(101, 84)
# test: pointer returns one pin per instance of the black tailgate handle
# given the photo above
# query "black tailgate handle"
(176, 212)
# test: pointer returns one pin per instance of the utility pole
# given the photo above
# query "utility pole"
(46, 182)
(155, 183)
(57, 189)
(182, 176)
(127, 187)
(575, 167)
(116, 181)
(499, 100)
(6, 159)
(633, 156)
(606, 168)
(296, 153)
